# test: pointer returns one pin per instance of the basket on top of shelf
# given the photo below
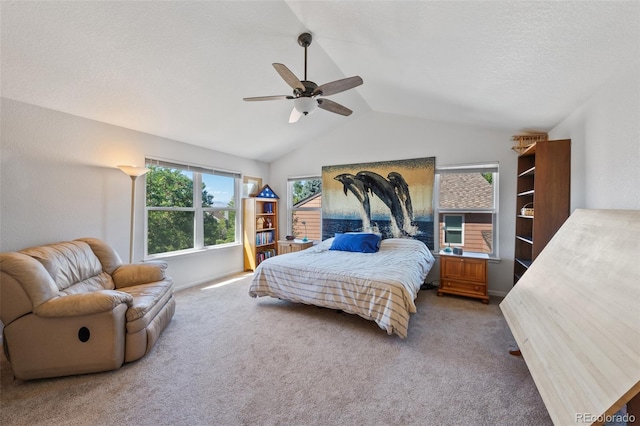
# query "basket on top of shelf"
(525, 141)
(526, 210)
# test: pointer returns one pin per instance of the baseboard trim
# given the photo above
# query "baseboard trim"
(497, 293)
(221, 277)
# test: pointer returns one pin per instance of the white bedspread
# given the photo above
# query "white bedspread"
(378, 286)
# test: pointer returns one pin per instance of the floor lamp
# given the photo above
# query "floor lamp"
(134, 172)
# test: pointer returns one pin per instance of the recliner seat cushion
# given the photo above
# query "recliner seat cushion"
(148, 300)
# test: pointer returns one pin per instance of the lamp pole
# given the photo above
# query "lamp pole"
(134, 172)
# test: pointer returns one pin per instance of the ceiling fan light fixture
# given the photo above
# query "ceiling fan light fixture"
(307, 95)
(305, 105)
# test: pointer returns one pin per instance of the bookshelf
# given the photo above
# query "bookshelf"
(260, 216)
(543, 192)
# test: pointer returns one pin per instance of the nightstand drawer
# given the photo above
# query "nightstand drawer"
(459, 287)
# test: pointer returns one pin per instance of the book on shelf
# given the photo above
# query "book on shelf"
(263, 238)
(265, 254)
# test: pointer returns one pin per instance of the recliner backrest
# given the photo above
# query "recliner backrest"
(107, 255)
(73, 266)
(24, 285)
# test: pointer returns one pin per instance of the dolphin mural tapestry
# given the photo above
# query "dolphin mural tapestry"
(394, 198)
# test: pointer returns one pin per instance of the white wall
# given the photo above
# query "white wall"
(58, 178)
(380, 137)
(605, 143)
(59, 181)
(605, 160)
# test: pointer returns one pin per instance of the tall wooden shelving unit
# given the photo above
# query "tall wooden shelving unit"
(260, 217)
(544, 182)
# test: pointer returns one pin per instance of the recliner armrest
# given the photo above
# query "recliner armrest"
(139, 273)
(83, 304)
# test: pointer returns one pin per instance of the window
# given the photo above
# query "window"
(304, 205)
(189, 207)
(468, 207)
(453, 229)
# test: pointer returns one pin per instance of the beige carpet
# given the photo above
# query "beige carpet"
(228, 359)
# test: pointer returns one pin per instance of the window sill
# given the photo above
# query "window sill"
(190, 252)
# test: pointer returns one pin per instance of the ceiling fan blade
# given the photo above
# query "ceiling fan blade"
(289, 77)
(329, 105)
(295, 115)
(268, 98)
(338, 86)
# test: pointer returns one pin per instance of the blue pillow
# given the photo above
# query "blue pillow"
(362, 243)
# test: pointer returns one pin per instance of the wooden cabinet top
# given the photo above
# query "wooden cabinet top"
(469, 254)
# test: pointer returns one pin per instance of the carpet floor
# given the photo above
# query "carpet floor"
(228, 359)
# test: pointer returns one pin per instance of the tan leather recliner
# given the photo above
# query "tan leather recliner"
(74, 307)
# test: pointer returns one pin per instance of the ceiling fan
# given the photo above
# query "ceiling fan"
(307, 95)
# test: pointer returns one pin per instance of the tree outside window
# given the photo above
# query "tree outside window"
(188, 209)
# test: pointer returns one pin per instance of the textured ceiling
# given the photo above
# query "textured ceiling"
(180, 69)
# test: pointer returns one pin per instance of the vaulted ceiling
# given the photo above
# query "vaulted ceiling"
(180, 69)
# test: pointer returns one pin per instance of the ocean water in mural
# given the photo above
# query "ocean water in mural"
(332, 226)
(394, 198)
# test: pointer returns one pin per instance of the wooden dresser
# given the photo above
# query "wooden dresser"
(464, 275)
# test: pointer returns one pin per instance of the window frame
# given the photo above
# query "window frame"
(488, 167)
(290, 206)
(198, 227)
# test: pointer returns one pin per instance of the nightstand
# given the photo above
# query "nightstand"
(290, 246)
(464, 275)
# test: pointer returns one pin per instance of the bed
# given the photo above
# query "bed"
(379, 286)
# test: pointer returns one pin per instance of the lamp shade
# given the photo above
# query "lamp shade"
(134, 171)
(305, 105)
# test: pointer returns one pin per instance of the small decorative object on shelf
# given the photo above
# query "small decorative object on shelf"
(525, 141)
(527, 210)
(266, 192)
(305, 239)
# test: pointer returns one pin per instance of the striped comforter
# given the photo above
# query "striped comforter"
(378, 286)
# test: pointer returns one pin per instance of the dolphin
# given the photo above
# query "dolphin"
(356, 187)
(402, 191)
(381, 187)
